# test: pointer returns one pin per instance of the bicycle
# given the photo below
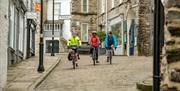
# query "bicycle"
(74, 55)
(109, 55)
(94, 57)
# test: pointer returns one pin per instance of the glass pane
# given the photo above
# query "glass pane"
(84, 32)
(117, 29)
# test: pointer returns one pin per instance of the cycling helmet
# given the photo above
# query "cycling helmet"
(74, 33)
(94, 32)
(74, 48)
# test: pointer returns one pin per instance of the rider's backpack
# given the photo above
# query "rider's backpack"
(69, 57)
(94, 41)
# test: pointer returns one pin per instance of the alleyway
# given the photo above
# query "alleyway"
(120, 76)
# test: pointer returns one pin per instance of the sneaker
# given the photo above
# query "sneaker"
(107, 59)
(77, 65)
(97, 61)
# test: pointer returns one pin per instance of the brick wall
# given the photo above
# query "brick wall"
(3, 42)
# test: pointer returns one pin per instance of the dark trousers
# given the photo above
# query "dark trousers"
(91, 52)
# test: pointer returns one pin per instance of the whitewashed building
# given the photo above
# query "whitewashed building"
(22, 28)
(17, 34)
(3, 42)
(62, 24)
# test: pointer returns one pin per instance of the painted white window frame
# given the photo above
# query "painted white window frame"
(12, 21)
(57, 10)
(113, 4)
(21, 31)
(82, 6)
(103, 6)
(82, 32)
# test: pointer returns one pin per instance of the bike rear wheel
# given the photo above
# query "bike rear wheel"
(94, 57)
(110, 56)
(74, 64)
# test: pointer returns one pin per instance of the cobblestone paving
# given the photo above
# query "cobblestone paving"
(120, 76)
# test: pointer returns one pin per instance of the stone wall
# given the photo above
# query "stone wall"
(78, 17)
(3, 42)
(170, 65)
(145, 28)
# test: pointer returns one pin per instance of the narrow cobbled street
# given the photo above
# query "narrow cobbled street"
(122, 75)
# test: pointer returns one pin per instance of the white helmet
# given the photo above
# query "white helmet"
(94, 32)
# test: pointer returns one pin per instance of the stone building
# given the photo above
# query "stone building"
(83, 17)
(145, 28)
(170, 64)
(121, 17)
(131, 21)
(3, 42)
(17, 37)
(62, 25)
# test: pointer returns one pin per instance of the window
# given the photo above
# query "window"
(84, 32)
(85, 6)
(112, 3)
(57, 9)
(49, 27)
(21, 31)
(103, 6)
(117, 30)
(16, 26)
(12, 32)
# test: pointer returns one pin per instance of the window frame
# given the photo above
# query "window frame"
(82, 32)
(58, 9)
(112, 4)
(87, 6)
(103, 5)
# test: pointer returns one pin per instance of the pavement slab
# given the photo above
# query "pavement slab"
(24, 76)
(122, 75)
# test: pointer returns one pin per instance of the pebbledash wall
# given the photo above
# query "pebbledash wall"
(170, 64)
(3, 42)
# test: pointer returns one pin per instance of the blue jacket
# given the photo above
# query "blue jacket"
(110, 41)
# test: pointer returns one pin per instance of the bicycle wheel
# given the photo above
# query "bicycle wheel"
(94, 57)
(110, 57)
(74, 64)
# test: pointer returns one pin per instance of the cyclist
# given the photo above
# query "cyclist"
(74, 41)
(94, 42)
(110, 41)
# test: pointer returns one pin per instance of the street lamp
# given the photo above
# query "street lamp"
(158, 24)
(41, 44)
(52, 52)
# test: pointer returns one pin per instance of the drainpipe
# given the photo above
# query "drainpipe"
(106, 17)
(156, 54)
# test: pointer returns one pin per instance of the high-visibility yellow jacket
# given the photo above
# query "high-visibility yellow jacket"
(74, 41)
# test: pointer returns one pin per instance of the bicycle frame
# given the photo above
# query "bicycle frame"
(94, 56)
(109, 55)
(74, 58)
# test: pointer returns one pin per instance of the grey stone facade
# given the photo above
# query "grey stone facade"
(133, 18)
(170, 68)
(79, 17)
(3, 42)
(145, 28)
